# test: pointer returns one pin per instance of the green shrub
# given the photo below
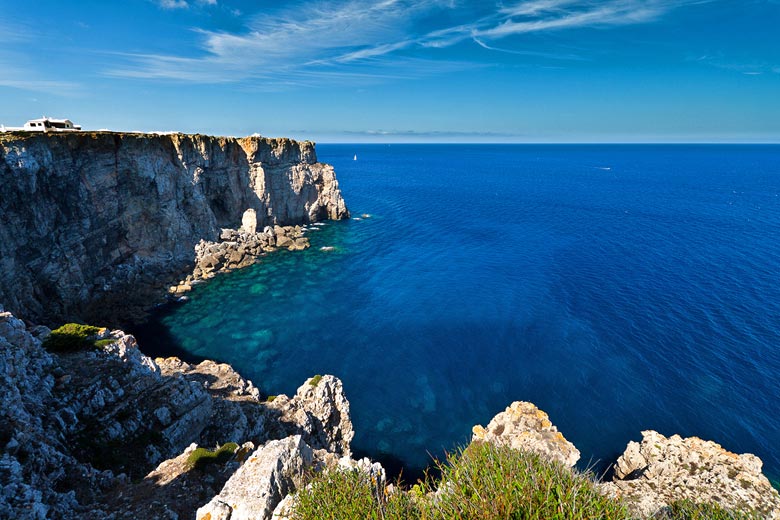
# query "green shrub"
(343, 495)
(481, 482)
(314, 381)
(201, 457)
(689, 510)
(270, 399)
(103, 342)
(485, 481)
(70, 337)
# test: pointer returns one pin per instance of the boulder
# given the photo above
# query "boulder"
(268, 475)
(523, 426)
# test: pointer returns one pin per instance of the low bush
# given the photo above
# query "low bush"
(481, 482)
(314, 381)
(341, 495)
(70, 337)
(485, 481)
(689, 510)
(201, 457)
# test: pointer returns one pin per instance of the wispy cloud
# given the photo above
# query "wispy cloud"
(183, 4)
(321, 38)
(748, 67)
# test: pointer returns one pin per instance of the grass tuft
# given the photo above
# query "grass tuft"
(342, 495)
(202, 457)
(481, 482)
(689, 510)
(314, 381)
(492, 482)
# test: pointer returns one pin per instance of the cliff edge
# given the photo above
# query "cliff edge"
(93, 221)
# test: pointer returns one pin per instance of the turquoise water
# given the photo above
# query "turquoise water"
(619, 288)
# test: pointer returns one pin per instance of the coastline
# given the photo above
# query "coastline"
(212, 404)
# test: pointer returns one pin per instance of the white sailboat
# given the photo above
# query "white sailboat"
(355, 158)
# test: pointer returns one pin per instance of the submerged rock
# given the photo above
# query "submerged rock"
(659, 470)
(523, 426)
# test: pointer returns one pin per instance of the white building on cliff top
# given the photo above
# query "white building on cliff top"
(44, 124)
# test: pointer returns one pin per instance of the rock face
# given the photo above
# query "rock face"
(320, 411)
(659, 470)
(523, 426)
(268, 475)
(91, 218)
(79, 430)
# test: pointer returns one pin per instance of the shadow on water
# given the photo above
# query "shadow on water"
(395, 468)
(155, 339)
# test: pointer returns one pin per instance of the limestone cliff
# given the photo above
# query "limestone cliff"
(80, 430)
(96, 218)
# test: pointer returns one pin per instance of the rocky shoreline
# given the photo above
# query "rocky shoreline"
(109, 433)
(94, 222)
(96, 225)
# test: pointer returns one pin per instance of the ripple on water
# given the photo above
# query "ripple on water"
(640, 297)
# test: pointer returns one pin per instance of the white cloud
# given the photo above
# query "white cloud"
(309, 38)
(173, 4)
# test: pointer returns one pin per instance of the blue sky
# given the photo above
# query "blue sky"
(400, 70)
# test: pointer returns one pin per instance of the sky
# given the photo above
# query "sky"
(400, 70)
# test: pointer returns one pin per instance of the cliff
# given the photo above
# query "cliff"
(94, 221)
(80, 430)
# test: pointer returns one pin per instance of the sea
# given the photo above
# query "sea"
(620, 288)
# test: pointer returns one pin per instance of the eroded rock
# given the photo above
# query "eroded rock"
(320, 412)
(523, 426)
(268, 475)
(659, 470)
(96, 224)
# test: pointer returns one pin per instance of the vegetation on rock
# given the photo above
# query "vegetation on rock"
(688, 510)
(71, 337)
(314, 381)
(201, 457)
(483, 481)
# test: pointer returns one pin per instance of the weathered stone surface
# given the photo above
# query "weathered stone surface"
(523, 426)
(97, 223)
(320, 412)
(238, 249)
(70, 423)
(659, 470)
(249, 222)
(39, 478)
(269, 474)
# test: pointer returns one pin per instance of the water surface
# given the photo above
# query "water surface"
(619, 288)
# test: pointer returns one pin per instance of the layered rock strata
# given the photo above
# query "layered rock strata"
(659, 470)
(94, 223)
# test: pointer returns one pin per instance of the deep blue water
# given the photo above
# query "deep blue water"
(619, 288)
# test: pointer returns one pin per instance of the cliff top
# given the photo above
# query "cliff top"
(11, 135)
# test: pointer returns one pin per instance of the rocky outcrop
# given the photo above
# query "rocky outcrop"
(80, 430)
(523, 426)
(239, 248)
(320, 412)
(268, 475)
(96, 223)
(659, 470)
